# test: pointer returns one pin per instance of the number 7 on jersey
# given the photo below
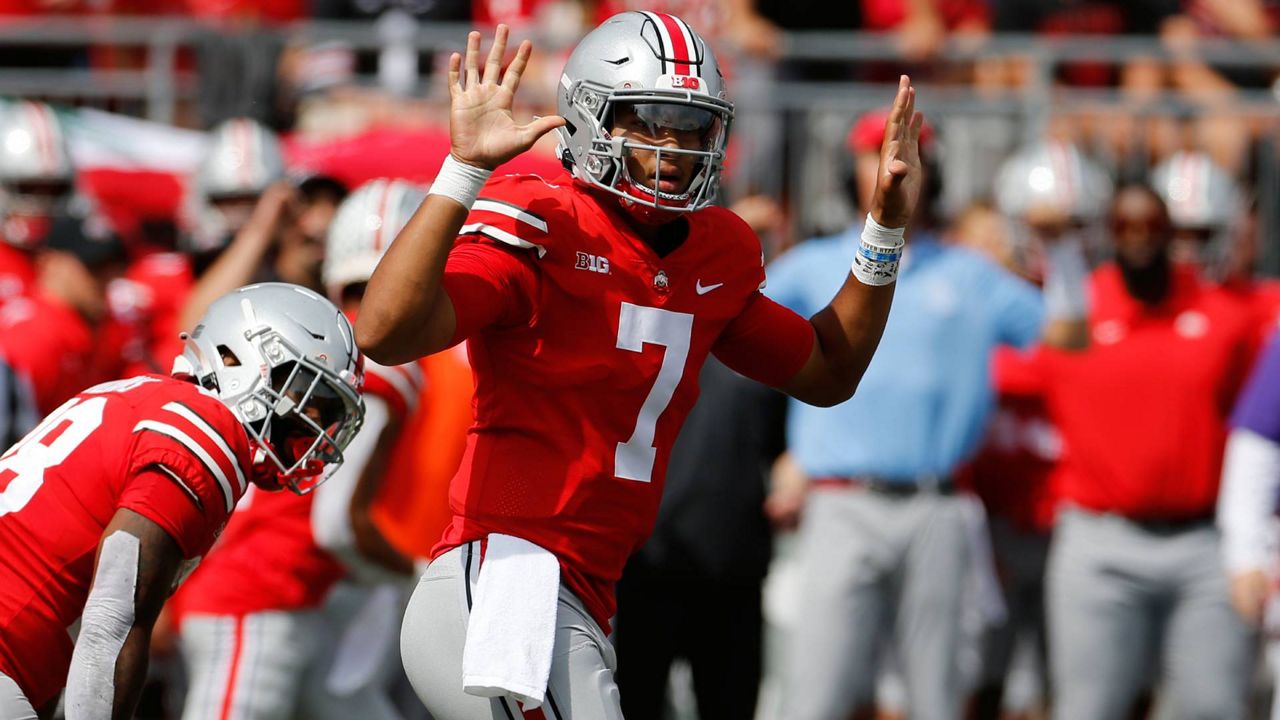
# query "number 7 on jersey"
(638, 325)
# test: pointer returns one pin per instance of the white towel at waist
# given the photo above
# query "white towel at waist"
(512, 630)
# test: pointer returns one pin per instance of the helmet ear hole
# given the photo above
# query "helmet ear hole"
(228, 358)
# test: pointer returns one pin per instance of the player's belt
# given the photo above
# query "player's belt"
(1168, 526)
(929, 484)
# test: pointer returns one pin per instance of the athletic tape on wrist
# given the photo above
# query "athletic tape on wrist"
(879, 253)
(459, 181)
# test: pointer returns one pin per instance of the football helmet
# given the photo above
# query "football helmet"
(1199, 194)
(284, 360)
(36, 175)
(1055, 175)
(242, 160)
(656, 66)
(366, 223)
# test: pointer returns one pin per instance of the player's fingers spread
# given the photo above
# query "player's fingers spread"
(455, 66)
(493, 65)
(541, 126)
(511, 80)
(896, 114)
(473, 59)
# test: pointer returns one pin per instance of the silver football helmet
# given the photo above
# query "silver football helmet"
(284, 360)
(242, 160)
(36, 175)
(656, 66)
(1199, 194)
(366, 223)
(1055, 175)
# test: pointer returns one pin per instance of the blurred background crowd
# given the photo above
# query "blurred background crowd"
(988, 529)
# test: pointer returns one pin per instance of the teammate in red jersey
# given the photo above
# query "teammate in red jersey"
(124, 486)
(273, 584)
(590, 302)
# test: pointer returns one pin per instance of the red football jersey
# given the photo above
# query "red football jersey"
(1013, 472)
(587, 368)
(161, 447)
(51, 344)
(268, 559)
(149, 299)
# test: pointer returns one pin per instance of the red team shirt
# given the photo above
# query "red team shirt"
(51, 344)
(158, 446)
(268, 558)
(586, 347)
(1146, 439)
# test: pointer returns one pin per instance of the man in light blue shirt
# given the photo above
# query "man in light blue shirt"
(885, 541)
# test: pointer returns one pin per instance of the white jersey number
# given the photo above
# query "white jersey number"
(45, 447)
(638, 325)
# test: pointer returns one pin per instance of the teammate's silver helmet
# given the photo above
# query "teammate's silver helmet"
(666, 71)
(243, 159)
(1200, 195)
(1056, 175)
(284, 360)
(366, 223)
(36, 175)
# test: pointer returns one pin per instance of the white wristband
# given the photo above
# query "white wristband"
(459, 181)
(879, 252)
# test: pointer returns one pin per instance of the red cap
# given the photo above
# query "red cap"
(867, 133)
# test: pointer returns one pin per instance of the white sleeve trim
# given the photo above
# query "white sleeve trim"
(502, 236)
(511, 211)
(190, 416)
(104, 626)
(187, 441)
(1247, 501)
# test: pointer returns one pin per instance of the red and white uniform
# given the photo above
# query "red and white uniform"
(586, 347)
(49, 343)
(269, 557)
(158, 446)
(1013, 472)
(148, 300)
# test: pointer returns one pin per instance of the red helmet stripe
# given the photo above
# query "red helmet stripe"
(243, 137)
(383, 198)
(44, 140)
(681, 44)
(691, 42)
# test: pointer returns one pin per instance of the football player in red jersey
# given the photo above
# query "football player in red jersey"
(117, 492)
(590, 302)
(275, 585)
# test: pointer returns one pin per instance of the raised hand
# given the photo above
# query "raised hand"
(900, 177)
(481, 129)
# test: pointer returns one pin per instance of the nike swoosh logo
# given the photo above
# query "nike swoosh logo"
(704, 289)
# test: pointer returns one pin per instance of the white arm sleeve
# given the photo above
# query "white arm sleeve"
(1247, 500)
(106, 622)
(330, 513)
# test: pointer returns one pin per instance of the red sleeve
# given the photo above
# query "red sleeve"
(766, 342)
(159, 495)
(489, 284)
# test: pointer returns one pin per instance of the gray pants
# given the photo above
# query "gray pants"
(13, 704)
(581, 685)
(872, 564)
(283, 665)
(1119, 597)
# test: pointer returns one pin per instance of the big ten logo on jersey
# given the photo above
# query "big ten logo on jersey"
(594, 263)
